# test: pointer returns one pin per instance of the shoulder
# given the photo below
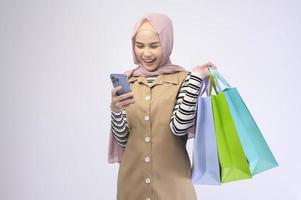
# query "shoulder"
(190, 77)
(182, 75)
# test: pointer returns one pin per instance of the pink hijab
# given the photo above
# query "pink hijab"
(163, 25)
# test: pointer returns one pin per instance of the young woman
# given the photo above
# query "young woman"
(149, 132)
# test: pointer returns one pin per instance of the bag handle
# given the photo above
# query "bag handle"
(218, 81)
(209, 83)
(204, 88)
(215, 81)
(213, 85)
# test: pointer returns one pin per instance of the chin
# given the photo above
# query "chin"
(151, 69)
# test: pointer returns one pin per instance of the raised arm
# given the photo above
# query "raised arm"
(185, 108)
(119, 127)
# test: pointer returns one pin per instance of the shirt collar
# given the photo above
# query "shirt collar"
(169, 78)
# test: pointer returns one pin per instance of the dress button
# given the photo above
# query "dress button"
(147, 180)
(147, 139)
(147, 159)
(146, 117)
(147, 97)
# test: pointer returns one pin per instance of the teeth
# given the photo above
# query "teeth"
(149, 61)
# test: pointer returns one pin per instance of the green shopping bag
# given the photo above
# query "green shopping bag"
(257, 151)
(233, 162)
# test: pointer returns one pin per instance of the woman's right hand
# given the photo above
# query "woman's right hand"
(121, 102)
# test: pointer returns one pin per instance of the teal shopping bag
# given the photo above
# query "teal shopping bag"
(256, 149)
(233, 162)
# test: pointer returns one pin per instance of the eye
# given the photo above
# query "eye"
(154, 47)
(138, 46)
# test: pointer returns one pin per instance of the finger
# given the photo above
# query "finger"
(212, 65)
(127, 102)
(121, 98)
(115, 89)
(123, 104)
(125, 96)
(207, 65)
(118, 105)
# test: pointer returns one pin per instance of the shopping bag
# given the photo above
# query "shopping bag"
(205, 164)
(233, 162)
(255, 147)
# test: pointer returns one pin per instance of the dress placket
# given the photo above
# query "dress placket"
(147, 140)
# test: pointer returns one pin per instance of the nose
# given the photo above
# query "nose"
(147, 53)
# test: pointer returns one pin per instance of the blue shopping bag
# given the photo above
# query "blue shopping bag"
(205, 163)
(256, 149)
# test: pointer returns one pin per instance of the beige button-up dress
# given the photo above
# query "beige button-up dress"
(155, 164)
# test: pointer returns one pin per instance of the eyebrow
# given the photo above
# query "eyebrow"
(149, 43)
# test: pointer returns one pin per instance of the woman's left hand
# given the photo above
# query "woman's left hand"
(202, 70)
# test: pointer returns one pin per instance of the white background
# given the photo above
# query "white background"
(55, 61)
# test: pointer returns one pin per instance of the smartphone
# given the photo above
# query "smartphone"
(121, 79)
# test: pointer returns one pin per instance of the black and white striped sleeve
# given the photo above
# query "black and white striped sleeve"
(184, 111)
(119, 127)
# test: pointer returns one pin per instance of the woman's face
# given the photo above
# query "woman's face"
(147, 47)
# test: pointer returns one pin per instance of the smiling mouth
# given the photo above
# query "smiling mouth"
(149, 61)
